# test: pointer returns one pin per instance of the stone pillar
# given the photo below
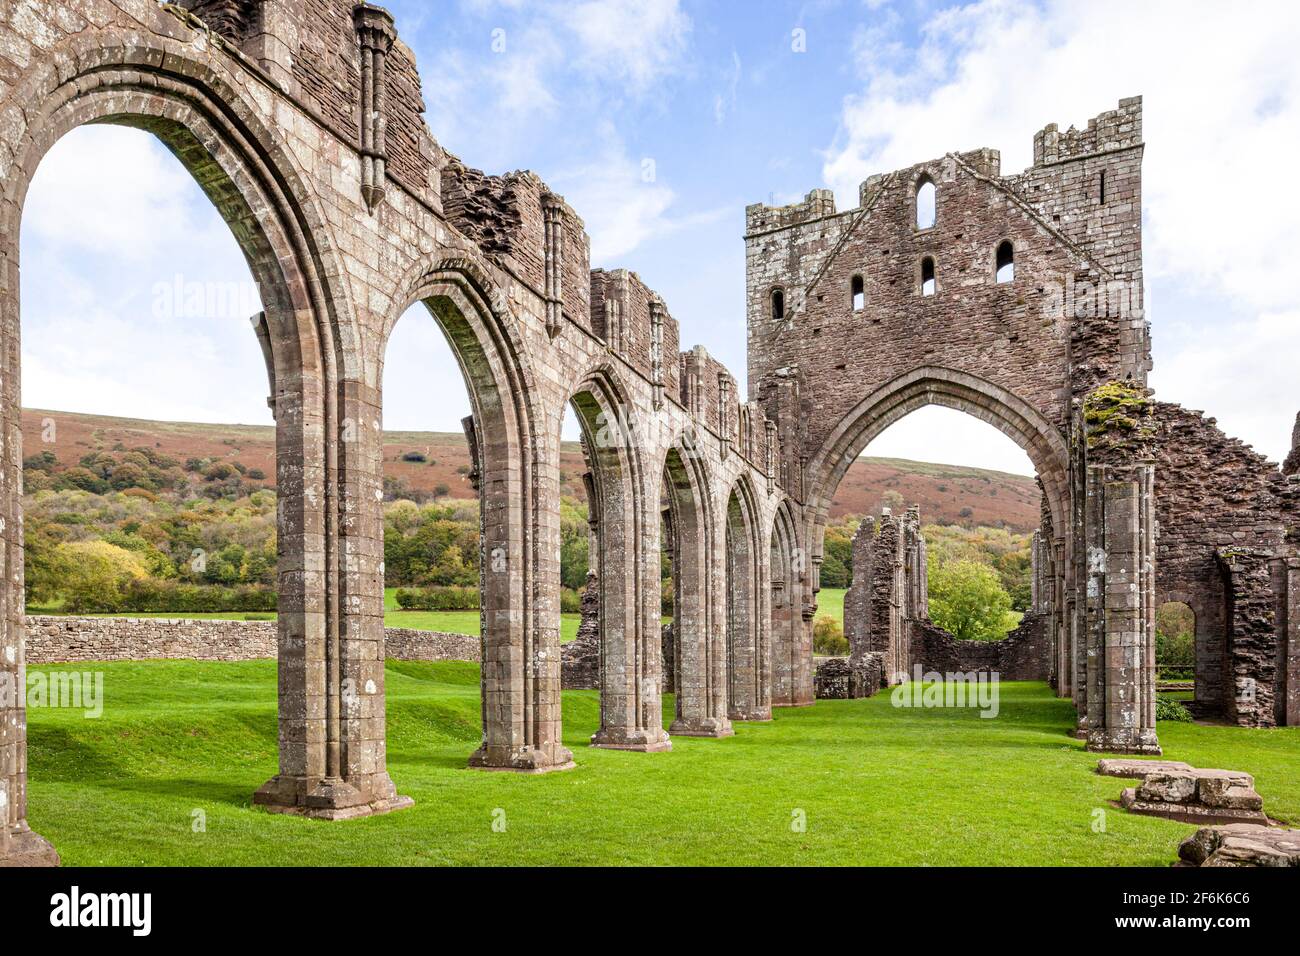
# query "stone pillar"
(1121, 610)
(857, 600)
(745, 606)
(333, 759)
(553, 253)
(699, 642)
(1290, 689)
(657, 311)
(630, 700)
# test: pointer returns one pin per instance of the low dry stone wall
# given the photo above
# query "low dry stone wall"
(57, 640)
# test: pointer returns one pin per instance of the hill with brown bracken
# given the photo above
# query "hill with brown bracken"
(430, 462)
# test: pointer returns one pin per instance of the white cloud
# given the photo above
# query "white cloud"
(947, 436)
(119, 189)
(111, 219)
(1222, 112)
(636, 41)
(622, 200)
(725, 102)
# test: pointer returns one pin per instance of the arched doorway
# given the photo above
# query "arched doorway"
(699, 661)
(749, 693)
(631, 706)
(520, 684)
(256, 190)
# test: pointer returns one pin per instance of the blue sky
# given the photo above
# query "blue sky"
(724, 104)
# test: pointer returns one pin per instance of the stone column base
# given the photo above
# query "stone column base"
(706, 727)
(753, 716)
(321, 798)
(25, 848)
(1124, 742)
(642, 741)
(525, 759)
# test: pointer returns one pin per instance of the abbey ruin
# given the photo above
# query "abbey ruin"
(1018, 302)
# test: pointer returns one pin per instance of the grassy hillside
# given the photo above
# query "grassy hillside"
(947, 494)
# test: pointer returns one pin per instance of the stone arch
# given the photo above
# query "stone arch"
(520, 684)
(792, 683)
(631, 707)
(1020, 421)
(748, 651)
(699, 658)
(155, 85)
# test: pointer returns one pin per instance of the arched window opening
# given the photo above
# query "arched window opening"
(1101, 187)
(925, 203)
(1006, 264)
(927, 276)
(1176, 652)
(778, 305)
(858, 293)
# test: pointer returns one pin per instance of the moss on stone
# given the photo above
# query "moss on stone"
(1117, 414)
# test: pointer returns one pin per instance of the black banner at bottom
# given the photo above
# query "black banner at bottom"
(332, 905)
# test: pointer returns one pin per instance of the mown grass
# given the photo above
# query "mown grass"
(876, 784)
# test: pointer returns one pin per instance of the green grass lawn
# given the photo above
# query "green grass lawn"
(876, 784)
(830, 601)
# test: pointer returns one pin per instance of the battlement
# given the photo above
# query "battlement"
(818, 204)
(1115, 129)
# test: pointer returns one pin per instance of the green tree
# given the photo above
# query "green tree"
(1175, 634)
(828, 636)
(837, 557)
(968, 600)
(95, 575)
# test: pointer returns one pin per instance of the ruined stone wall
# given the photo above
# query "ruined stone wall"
(1251, 662)
(887, 620)
(56, 640)
(1215, 494)
(1012, 334)
(303, 126)
(1024, 654)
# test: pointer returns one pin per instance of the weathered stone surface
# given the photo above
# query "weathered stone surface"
(1170, 786)
(1196, 796)
(1124, 767)
(580, 658)
(838, 678)
(833, 679)
(1241, 844)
